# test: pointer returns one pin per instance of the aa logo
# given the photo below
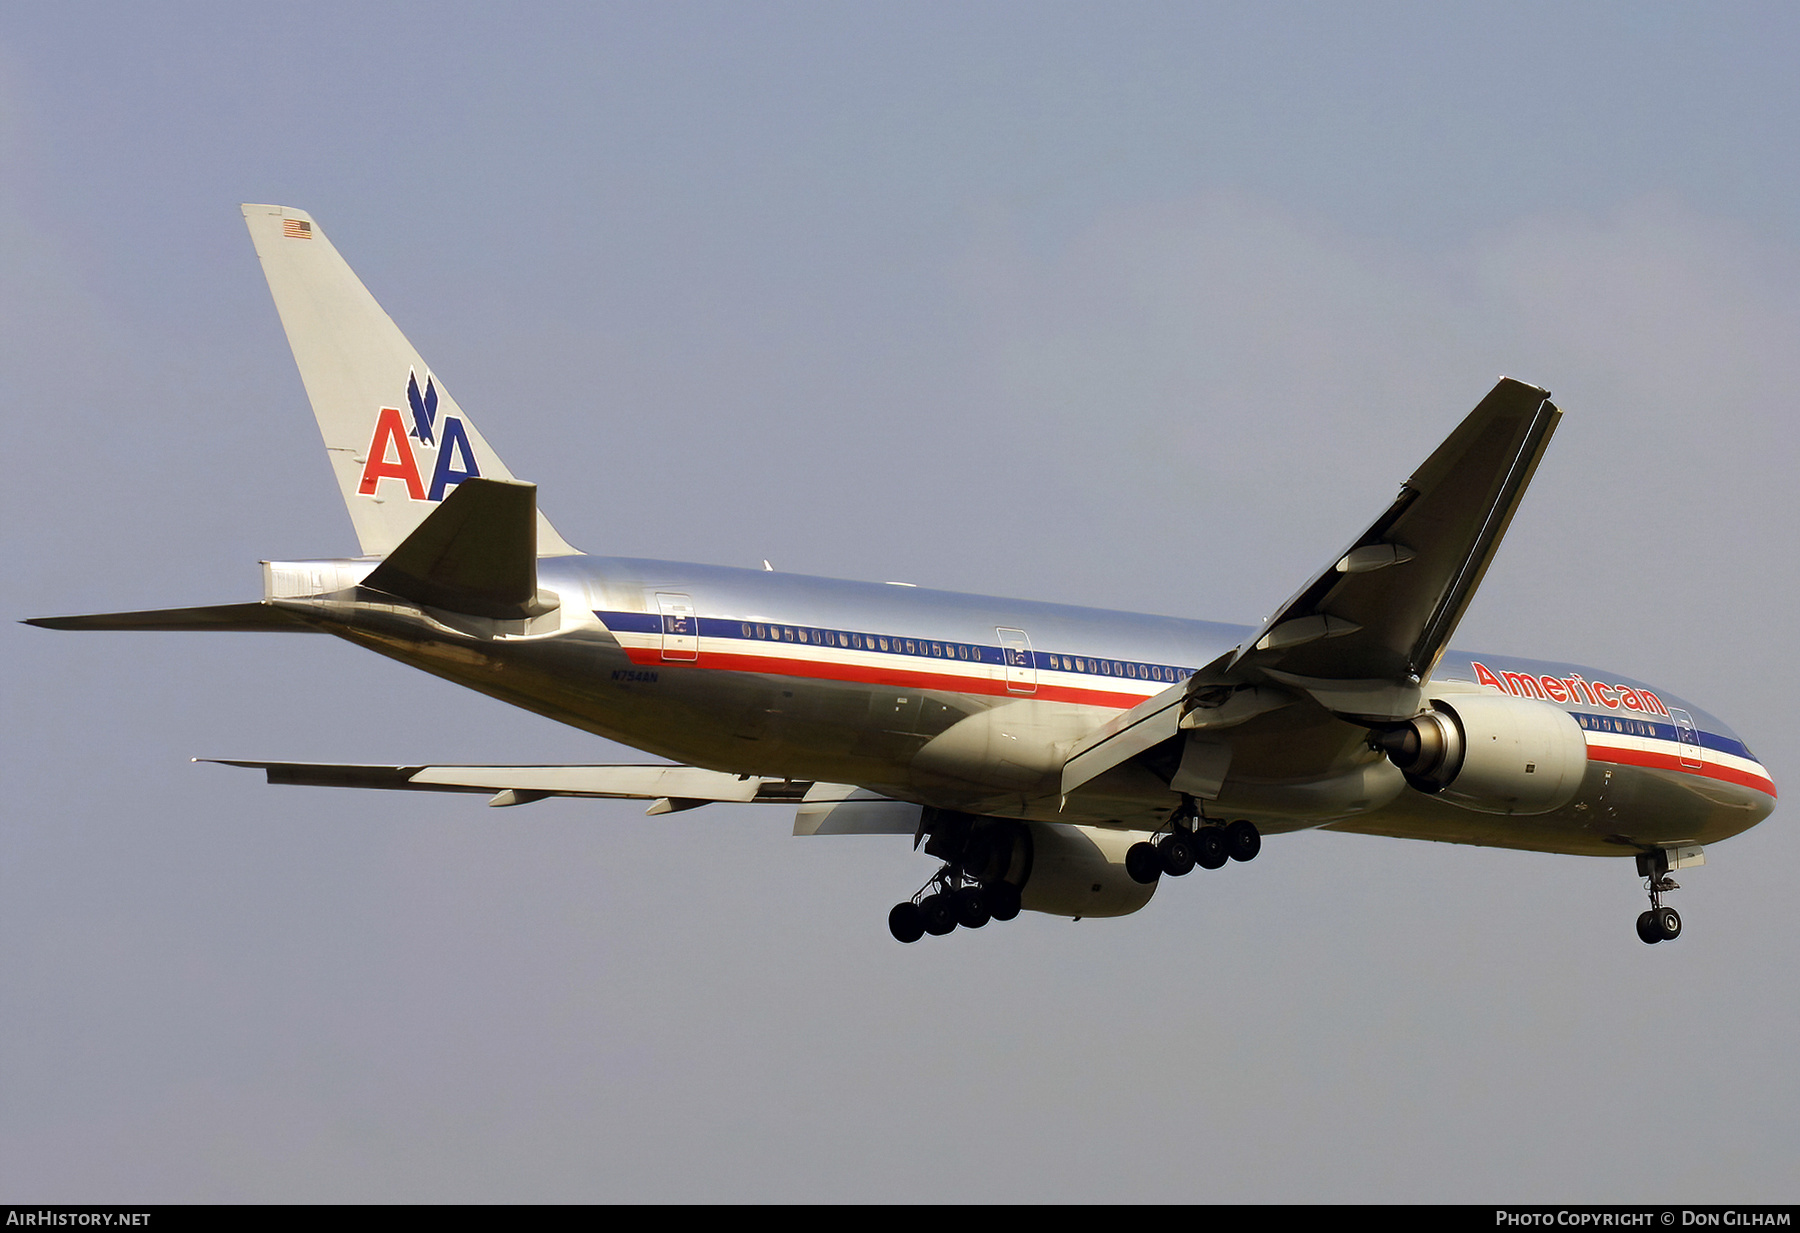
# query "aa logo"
(391, 454)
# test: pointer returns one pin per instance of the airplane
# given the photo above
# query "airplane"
(1054, 759)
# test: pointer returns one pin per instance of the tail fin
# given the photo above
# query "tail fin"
(398, 442)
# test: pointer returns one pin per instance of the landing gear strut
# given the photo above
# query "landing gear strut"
(1659, 924)
(1192, 839)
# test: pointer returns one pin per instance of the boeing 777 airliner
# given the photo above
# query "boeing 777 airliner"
(1056, 759)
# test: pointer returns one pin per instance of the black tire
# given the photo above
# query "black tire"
(1176, 854)
(1210, 848)
(971, 907)
(939, 912)
(1142, 863)
(906, 922)
(1243, 841)
(1668, 924)
(1646, 927)
(1003, 900)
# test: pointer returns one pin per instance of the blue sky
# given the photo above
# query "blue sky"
(1142, 306)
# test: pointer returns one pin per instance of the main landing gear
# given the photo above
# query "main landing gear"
(1192, 840)
(1659, 924)
(948, 900)
(985, 864)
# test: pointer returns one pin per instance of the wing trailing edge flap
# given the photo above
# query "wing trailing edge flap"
(1362, 637)
(824, 808)
(1203, 706)
(842, 809)
(475, 554)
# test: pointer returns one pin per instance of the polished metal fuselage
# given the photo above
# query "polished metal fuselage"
(972, 703)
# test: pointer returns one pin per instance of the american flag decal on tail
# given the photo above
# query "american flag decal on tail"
(296, 229)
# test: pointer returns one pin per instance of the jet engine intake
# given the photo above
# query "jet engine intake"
(1491, 754)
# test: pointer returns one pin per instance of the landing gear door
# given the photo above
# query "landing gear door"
(1021, 670)
(680, 628)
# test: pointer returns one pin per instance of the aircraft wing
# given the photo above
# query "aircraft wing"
(673, 788)
(822, 808)
(1384, 610)
(1362, 635)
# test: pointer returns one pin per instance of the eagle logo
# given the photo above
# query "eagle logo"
(424, 410)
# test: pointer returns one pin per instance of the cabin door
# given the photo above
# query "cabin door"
(680, 628)
(1021, 670)
(1688, 736)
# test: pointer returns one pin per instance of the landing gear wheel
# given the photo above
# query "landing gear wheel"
(1003, 900)
(906, 922)
(1243, 841)
(1176, 854)
(971, 907)
(939, 912)
(1210, 850)
(1659, 924)
(1143, 863)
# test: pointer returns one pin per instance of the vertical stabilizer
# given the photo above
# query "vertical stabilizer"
(398, 442)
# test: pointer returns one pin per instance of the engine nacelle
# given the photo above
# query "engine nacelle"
(1060, 868)
(1080, 871)
(1491, 753)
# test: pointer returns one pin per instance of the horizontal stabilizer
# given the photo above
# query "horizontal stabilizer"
(681, 786)
(256, 617)
(475, 554)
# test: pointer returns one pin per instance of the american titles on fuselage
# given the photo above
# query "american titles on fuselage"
(1571, 688)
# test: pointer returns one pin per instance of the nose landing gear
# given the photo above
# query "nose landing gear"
(1659, 924)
